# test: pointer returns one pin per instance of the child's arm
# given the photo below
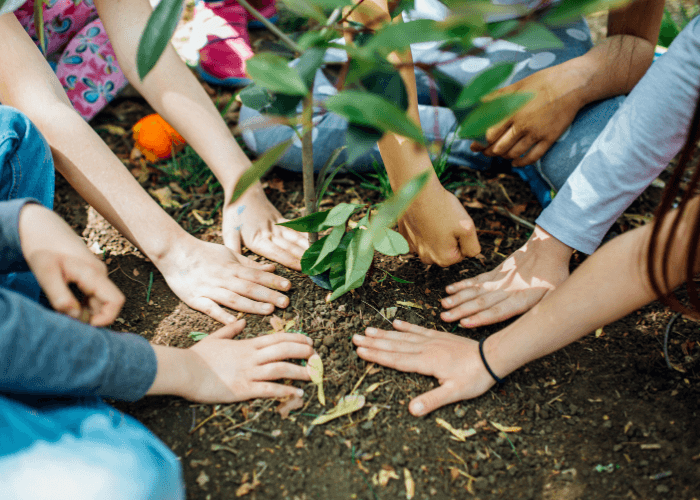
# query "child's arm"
(611, 68)
(202, 274)
(607, 286)
(436, 225)
(177, 96)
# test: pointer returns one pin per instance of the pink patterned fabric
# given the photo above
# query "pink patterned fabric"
(85, 62)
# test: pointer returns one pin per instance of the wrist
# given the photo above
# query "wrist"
(550, 247)
(174, 373)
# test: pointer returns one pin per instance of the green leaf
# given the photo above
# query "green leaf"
(386, 81)
(450, 89)
(358, 260)
(346, 288)
(398, 36)
(373, 111)
(324, 177)
(197, 336)
(284, 105)
(310, 262)
(157, 34)
(259, 168)
(308, 63)
(315, 8)
(490, 113)
(502, 28)
(360, 139)
(254, 97)
(272, 72)
(319, 221)
(568, 10)
(535, 36)
(483, 83)
(390, 211)
(391, 243)
(337, 274)
(330, 244)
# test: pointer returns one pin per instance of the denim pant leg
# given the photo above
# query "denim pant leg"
(81, 448)
(26, 171)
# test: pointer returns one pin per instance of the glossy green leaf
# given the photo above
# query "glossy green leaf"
(568, 10)
(283, 105)
(259, 168)
(272, 72)
(502, 28)
(450, 89)
(330, 244)
(319, 221)
(197, 336)
(389, 212)
(254, 97)
(490, 113)
(337, 274)
(398, 36)
(346, 288)
(358, 259)
(391, 243)
(535, 36)
(308, 63)
(386, 82)
(157, 34)
(310, 262)
(483, 83)
(307, 10)
(374, 111)
(360, 139)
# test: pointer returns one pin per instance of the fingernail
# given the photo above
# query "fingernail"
(285, 284)
(300, 393)
(230, 320)
(371, 331)
(418, 408)
(74, 313)
(282, 302)
(447, 302)
(447, 315)
(398, 322)
(361, 350)
(358, 337)
(450, 289)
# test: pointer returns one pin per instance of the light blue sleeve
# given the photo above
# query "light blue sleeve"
(11, 257)
(647, 131)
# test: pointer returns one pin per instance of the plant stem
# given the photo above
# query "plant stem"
(307, 158)
(274, 29)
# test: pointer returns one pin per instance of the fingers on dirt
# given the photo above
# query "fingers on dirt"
(280, 370)
(284, 350)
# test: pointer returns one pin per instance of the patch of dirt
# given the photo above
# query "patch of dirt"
(608, 400)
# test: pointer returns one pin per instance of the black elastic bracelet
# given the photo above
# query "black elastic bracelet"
(483, 358)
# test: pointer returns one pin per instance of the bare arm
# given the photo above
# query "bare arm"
(436, 226)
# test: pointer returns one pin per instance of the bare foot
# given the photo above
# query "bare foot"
(515, 286)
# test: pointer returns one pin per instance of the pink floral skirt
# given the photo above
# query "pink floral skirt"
(77, 43)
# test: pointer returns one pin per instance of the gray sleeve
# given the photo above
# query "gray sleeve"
(11, 257)
(43, 352)
(647, 131)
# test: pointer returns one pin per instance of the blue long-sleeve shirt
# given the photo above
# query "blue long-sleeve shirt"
(43, 352)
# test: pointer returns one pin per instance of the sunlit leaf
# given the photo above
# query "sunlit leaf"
(315, 368)
(345, 406)
(259, 168)
(373, 111)
(337, 267)
(535, 36)
(568, 10)
(197, 336)
(319, 221)
(483, 83)
(157, 34)
(330, 243)
(254, 97)
(391, 243)
(492, 112)
(397, 36)
(272, 72)
(357, 261)
(389, 212)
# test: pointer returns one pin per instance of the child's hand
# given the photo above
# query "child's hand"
(438, 228)
(221, 370)
(58, 257)
(207, 276)
(514, 287)
(252, 221)
(453, 360)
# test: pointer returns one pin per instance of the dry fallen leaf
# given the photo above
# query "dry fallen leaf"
(599, 333)
(346, 405)
(205, 222)
(409, 304)
(503, 428)
(165, 197)
(288, 404)
(246, 488)
(112, 129)
(300, 443)
(373, 412)
(386, 474)
(459, 434)
(277, 323)
(315, 368)
(410, 485)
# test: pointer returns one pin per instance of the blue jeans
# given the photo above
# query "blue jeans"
(439, 123)
(72, 448)
(26, 171)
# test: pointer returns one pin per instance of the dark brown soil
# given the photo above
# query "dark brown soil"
(608, 399)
